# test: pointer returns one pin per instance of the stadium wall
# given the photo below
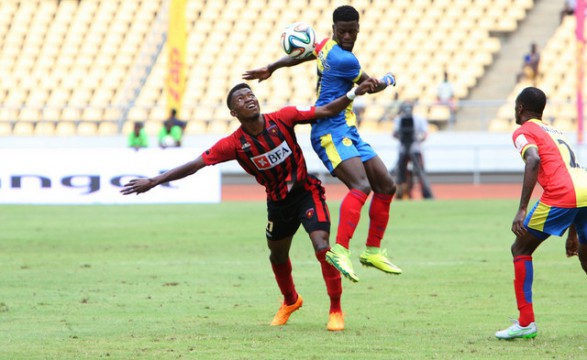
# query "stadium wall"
(450, 157)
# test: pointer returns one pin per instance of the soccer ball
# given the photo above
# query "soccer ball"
(298, 40)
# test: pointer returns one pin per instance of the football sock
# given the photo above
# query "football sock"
(378, 218)
(332, 279)
(350, 213)
(285, 281)
(524, 275)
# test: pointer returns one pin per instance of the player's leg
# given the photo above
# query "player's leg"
(383, 191)
(315, 218)
(581, 229)
(541, 222)
(583, 255)
(342, 160)
(280, 232)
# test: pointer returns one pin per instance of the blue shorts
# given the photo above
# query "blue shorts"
(333, 149)
(544, 220)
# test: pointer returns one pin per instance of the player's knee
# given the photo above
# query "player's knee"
(278, 257)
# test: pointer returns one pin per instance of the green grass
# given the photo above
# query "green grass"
(194, 282)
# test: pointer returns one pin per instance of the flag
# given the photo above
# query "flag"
(176, 54)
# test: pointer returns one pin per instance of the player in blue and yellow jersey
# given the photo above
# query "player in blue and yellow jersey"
(551, 162)
(340, 147)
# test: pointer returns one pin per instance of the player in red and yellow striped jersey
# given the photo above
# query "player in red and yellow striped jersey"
(551, 162)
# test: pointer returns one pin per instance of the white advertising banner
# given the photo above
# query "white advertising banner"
(96, 176)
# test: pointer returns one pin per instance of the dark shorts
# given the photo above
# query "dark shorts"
(304, 205)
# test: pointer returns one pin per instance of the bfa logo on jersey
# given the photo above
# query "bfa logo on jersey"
(272, 158)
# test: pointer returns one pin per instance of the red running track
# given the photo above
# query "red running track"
(335, 192)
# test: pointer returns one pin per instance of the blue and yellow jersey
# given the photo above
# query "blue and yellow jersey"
(338, 71)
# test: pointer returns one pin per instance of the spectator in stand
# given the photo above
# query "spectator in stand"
(568, 8)
(530, 65)
(175, 121)
(138, 138)
(445, 95)
(170, 135)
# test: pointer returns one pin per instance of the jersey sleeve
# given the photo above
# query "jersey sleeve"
(222, 151)
(346, 66)
(292, 115)
(523, 140)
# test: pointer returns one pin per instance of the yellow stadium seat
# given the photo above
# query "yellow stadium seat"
(23, 128)
(107, 128)
(45, 128)
(65, 128)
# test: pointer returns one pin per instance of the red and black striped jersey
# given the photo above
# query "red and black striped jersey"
(273, 157)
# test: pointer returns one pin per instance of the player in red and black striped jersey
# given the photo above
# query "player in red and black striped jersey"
(265, 146)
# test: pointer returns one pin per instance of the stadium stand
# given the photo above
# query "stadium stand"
(557, 78)
(68, 67)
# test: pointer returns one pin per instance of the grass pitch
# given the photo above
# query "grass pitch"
(194, 282)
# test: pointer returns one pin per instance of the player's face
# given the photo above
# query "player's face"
(244, 104)
(345, 33)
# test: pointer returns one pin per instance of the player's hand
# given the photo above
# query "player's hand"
(572, 243)
(137, 186)
(388, 79)
(367, 86)
(518, 227)
(259, 74)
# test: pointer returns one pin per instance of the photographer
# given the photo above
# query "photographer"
(411, 130)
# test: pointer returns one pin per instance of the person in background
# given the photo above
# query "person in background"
(445, 95)
(551, 162)
(530, 65)
(175, 121)
(170, 135)
(411, 130)
(568, 9)
(359, 107)
(138, 138)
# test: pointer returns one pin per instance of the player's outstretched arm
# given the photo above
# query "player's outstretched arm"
(263, 73)
(338, 105)
(138, 186)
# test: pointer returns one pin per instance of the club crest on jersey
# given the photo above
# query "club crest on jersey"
(347, 142)
(310, 213)
(272, 130)
(272, 158)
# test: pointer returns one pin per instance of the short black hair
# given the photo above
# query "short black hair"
(233, 90)
(533, 99)
(345, 13)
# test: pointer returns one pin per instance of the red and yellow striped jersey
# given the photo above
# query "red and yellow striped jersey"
(564, 181)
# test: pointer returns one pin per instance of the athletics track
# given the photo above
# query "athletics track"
(335, 192)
